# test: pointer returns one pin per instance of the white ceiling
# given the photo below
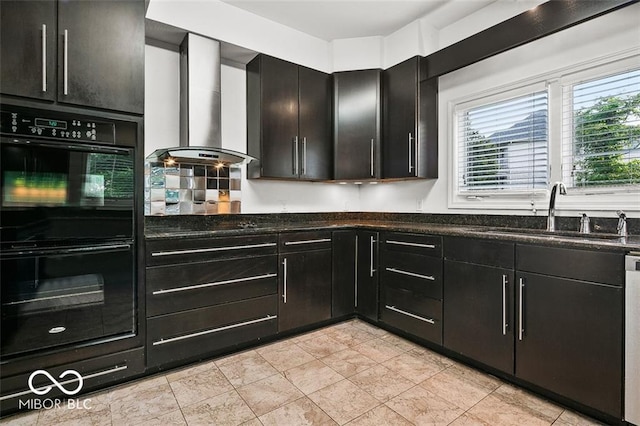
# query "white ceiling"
(338, 19)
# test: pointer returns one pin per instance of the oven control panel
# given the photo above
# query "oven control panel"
(51, 125)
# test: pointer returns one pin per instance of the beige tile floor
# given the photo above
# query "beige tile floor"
(350, 373)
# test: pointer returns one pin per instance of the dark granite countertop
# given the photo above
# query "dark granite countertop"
(516, 229)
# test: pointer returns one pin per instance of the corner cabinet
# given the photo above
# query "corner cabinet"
(410, 146)
(288, 120)
(74, 52)
(305, 279)
(357, 124)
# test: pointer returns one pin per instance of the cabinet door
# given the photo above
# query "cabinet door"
(344, 273)
(357, 124)
(305, 289)
(569, 339)
(101, 54)
(367, 275)
(279, 118)
(400, 147)
(478, 313)
(314, 134)
(28, 48)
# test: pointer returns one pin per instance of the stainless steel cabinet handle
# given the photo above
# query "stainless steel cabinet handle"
(355, 280)
(372, 158)
(112, 370)
(520, 310)
(404, 243)
(410, 148)
(409, 314)
(44, 57)
(65, 88)
(294, 243)
(371, 268)
(213, 330)
(284, 287)
(213, 284)
(412, 274)
(213, 249)
(304, 155)
(296, 160)
(504, 305)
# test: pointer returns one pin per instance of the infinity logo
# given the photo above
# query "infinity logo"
(46, 389)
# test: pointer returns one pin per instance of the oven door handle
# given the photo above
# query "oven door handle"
(17, 252)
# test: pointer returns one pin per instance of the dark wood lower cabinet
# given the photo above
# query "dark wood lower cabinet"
(305, 288)
(571, 339)
(344, 280)
(366, 302)
(479, 312)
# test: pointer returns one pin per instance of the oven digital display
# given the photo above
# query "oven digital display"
(51, 124)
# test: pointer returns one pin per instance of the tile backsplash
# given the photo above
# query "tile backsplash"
(180, 188)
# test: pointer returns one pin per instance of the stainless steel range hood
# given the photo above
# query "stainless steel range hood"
(200, 112)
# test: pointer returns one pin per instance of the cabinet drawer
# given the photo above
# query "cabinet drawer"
(96, 372)
(303, 241)
(420, 316)
(174, 288)
(417, 273)
(200, 332)
(481, 252)
(585, 265)
(164, 252)
(427, 245)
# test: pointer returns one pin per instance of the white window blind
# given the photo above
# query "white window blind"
(503, 146)
(601, 132)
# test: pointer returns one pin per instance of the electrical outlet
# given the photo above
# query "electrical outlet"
(419, 204)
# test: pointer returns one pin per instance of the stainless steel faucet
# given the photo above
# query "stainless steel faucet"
(551, 219)
(622, 223)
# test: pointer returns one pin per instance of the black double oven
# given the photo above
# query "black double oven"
(67, 230)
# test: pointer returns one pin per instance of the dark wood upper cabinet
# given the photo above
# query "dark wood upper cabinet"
(357, 124)
(76, 52)
(28, 48)
(288, 120)
(401, 149)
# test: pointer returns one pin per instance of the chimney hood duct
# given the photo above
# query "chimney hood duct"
(200, 111)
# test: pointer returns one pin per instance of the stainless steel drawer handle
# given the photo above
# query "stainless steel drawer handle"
(405, 243)
(295, 243)
(412, 274)
(44, 57)
(409, 314)
(56, 330)
(213, 284)
(66, 382)
(208, 250)
(214, 330)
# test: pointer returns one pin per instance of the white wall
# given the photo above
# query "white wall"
(161, 98)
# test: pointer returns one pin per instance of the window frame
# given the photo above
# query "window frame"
(577, 199)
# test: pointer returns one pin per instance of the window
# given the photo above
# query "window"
(601, 132)
(503, 145)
